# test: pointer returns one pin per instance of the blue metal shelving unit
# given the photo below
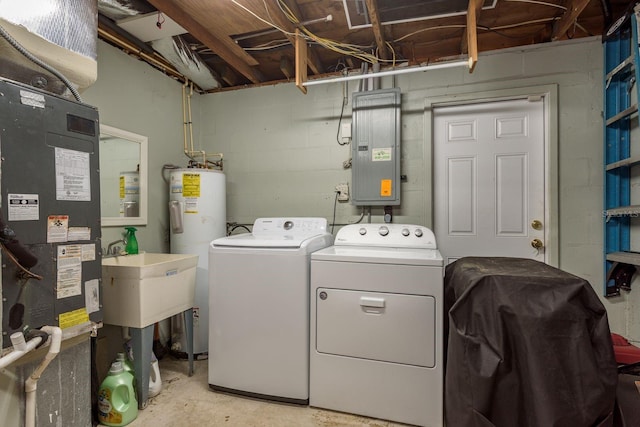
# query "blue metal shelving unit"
(621, 76)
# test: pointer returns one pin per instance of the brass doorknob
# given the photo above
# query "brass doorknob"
(537, 243)
(536, 225)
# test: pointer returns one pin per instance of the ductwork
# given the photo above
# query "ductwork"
(60, 33)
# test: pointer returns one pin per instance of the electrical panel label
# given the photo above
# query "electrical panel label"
(385, 188)
(73, 318)
(72, 175)
(57, 228)
(191, 185)
(69, 280)
(381, 155)
(23, 207)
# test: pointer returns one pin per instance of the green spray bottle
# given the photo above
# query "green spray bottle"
(132, 242)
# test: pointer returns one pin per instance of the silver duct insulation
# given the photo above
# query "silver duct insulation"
(61, 33)
(177, 52)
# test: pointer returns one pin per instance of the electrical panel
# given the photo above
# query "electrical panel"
(50, 189)
(376, 148)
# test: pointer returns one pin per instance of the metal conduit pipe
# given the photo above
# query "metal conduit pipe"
(142, 55)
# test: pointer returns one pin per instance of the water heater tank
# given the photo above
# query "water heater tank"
(197, 205)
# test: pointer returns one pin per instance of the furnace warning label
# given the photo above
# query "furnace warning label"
(57, 228)
(190, 185)
(73, 318)
(72, 175)
(24, 207)
(69, 279)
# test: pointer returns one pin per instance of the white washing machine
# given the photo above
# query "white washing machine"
(259, 304)
(377, 324)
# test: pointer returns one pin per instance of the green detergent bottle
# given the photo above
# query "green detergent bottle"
(132, 242)
(117, 404)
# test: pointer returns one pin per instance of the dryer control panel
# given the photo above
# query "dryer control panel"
(386, 235)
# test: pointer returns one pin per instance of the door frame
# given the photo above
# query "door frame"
(549, 95)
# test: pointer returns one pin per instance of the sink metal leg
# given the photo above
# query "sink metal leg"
(188, 315)
(141, 344)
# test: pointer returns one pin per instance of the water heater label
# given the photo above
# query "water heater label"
(23, 207)
(191, 185)
(381, 155)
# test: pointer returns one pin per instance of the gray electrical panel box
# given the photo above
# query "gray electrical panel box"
(375, 148)
(51, 199)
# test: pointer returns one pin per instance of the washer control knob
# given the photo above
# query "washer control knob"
(405, 232)
(383, 231)
(362, 231)
(418, 232)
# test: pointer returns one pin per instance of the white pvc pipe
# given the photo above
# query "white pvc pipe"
(31, 384)
(393, 72)
(20, 348)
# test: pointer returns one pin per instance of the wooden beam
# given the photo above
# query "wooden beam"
(229, 76)
(213, 38)
(574, 9)
(313, 59)
(301, 61)
(464, 43)
(374, 16)
(286, 67)
(472, 33)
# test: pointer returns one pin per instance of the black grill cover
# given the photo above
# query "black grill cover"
(529, 345)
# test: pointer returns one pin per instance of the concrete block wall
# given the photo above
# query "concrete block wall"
(282, 158)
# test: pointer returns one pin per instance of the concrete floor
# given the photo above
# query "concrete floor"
(188, 401)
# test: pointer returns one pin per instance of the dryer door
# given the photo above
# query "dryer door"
(387, 327)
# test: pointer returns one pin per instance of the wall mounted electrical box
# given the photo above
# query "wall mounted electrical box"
(375, 148)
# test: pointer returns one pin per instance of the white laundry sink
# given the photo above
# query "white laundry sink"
(139, 290)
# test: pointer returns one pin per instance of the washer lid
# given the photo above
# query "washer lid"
(380, 255)
(249, 240)
(277, 233)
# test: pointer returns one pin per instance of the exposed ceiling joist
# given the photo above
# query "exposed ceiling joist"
(374, 16)
(221, 44)
(472, 32)
(301, 61)
(313, 60)
(477, 7)
(574, 9)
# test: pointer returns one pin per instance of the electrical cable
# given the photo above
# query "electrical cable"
(17, 46)
(335, 203)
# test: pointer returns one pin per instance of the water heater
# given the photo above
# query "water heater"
(197, 206)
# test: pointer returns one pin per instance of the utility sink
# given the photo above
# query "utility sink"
(139, 290)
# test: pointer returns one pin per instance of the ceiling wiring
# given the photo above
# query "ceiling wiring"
(543, 3)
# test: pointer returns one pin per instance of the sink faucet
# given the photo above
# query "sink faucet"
(113, 253)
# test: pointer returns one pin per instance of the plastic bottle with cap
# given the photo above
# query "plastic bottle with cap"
(117, 403)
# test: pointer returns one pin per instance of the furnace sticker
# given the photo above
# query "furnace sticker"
(23, 207)
(69, 279)
(57, 228)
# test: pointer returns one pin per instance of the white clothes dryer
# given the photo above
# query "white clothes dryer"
(377, 324)
(259, 303)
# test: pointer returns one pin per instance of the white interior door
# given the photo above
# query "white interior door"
(489, 179)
